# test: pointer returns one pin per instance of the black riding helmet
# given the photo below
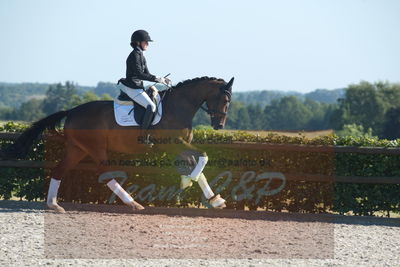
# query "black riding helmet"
(140, 36)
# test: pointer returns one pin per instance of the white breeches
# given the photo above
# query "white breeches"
(140, 96)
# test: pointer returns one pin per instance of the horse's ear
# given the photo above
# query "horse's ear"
(229, 84)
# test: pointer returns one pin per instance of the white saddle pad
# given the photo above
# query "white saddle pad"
(124, 118)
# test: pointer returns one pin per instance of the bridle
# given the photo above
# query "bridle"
(212, 112)
(225, 92)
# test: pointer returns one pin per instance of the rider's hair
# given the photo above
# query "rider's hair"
(135, 43)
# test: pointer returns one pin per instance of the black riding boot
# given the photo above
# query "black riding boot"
(147, 118)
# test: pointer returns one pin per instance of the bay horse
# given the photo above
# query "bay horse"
(90, 130)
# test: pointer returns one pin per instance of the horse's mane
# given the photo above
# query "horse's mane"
(205, 78)
(164, 93)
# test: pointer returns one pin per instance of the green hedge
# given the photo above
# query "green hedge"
(24, 183)
(162, 188)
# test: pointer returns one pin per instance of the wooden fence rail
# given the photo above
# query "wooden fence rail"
(150, 170)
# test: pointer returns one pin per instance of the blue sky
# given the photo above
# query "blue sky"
(278, 45)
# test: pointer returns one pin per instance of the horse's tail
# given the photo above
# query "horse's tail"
(21, 146)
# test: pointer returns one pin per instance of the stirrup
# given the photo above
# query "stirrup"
(147, 141)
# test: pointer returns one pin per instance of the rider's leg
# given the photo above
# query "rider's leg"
(147, 118)
(144, 100)
(140, 96)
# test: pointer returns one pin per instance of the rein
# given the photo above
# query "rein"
(166, 91)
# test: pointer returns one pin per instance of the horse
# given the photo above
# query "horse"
(90, 130)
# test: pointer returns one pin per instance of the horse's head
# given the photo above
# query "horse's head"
(218, 103)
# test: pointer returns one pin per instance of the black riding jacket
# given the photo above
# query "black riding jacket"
(136, 70)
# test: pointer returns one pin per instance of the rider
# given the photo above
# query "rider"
(136, 72)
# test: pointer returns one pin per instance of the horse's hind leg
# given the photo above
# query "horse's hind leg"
(106, 173)
(72, 157)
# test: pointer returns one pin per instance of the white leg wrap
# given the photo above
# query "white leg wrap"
(208, 193)
(195, 175)
(53, 191)
(119, 191)
(186, 182)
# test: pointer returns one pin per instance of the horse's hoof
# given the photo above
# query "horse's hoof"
(221, 206)
(186, 182)
(136, 206)
(149, 145)
(217, 202)
(56, 208)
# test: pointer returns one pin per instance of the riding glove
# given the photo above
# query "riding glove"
(163, 80)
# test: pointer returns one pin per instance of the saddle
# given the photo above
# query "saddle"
(137, 110)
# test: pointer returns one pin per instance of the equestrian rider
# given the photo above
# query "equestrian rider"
(136, 72)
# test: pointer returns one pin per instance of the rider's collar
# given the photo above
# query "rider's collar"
(137, 47)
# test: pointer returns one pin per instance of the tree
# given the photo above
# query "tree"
(392, 124)
(243, 121)
(233, 120)
(58, 97)
(354, 130)
(255, 113)
(106, 88)
(201, 118)
(366, 104)
(86, 97)
(288, 113)
(29, 111)
(5, 113)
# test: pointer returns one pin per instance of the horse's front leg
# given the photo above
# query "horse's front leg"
(197, 175)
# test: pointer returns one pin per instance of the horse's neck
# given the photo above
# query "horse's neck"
(183, 103)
